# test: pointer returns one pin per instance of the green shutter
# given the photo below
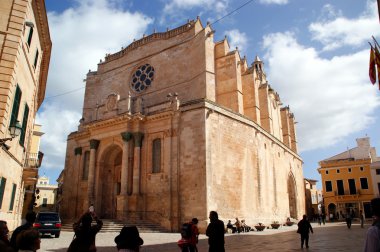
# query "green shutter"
(16, 106)
(36, 59)
(30, 36)
(13, 197)
(3, 181)
(24, 124)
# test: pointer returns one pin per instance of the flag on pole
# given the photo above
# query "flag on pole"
(377, 61)
(372, 66)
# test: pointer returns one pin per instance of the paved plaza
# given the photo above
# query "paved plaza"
(331, 237)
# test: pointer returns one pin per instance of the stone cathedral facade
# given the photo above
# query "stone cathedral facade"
(176, 125)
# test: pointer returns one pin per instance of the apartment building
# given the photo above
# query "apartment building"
(25, 48)
(347, 180)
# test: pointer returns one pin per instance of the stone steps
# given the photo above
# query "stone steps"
(116, 225)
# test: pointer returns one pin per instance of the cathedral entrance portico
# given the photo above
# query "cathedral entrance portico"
(109, 182)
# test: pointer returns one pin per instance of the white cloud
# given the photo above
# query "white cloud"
(273, 1)
(81, 36)
(174, 9)
(331, 98)
(237, 39)
(341, 31)
(56, 124)
(80, 39)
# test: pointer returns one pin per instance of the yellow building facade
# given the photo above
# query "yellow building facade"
(25, 48)
(347, 181)
(46, 197)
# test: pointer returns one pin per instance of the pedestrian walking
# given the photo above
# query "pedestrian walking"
(372, 242)
(319, 219)
(362, 218)
(323, 218)
(85, 233)
(215, 233)
(30, 219)
(348, 219)
(304, 228)
(129, 239)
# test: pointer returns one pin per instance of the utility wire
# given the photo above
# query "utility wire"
(68, 92)
(231, 12)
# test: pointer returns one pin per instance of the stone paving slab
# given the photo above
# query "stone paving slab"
(331, 237)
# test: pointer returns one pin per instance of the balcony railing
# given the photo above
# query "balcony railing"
(347, 195)
(33, 160)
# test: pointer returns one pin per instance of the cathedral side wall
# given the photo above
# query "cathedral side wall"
(247, 173)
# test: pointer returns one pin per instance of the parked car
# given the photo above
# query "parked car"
(48, 223)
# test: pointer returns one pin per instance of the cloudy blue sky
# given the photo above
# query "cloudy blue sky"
(315, 53)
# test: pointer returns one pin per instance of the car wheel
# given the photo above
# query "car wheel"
(57, 235)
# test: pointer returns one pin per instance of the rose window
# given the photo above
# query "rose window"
(142, 78)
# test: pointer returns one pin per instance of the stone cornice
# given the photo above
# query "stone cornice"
(109, 122)
(43, 30)
(153, 37)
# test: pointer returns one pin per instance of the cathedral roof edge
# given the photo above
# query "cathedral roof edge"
(191, 24)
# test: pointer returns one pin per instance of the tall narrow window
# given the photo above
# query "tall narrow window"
(352, 186)
(3, 181)
(156, 156)
(24, 124)
(13, 197)
(339, 185)
(364, 183)
(86, 165)
(328, 186)
(16, 106)
(30, 36)
(35, 59)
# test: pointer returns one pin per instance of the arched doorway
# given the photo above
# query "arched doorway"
(332, 210)
(110, 181)
(292, 195)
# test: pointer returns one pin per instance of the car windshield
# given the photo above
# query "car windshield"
(48, 217)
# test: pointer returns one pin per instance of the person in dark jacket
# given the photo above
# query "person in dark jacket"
(30, 219)
(304, 228)
(85, 233)
(215, 233)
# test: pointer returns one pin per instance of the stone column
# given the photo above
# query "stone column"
(94, 144)
(121, 208)
(76, 178)
(138, 136)
(124, 162)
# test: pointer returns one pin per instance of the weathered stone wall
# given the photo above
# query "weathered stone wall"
(247, 171)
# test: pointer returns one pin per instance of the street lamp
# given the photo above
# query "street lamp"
(14, 130)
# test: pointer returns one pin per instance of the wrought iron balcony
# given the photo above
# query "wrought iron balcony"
(33, 160)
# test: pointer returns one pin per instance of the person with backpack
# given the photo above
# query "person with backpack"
(85, 233)
(372, 242)
(189, 236)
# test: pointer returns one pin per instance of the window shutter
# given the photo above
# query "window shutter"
(24, 124)
(13, 197)
(3, 181)
(16, 106)
(30, 36)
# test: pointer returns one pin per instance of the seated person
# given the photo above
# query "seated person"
(231, 227)
(245, 227)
